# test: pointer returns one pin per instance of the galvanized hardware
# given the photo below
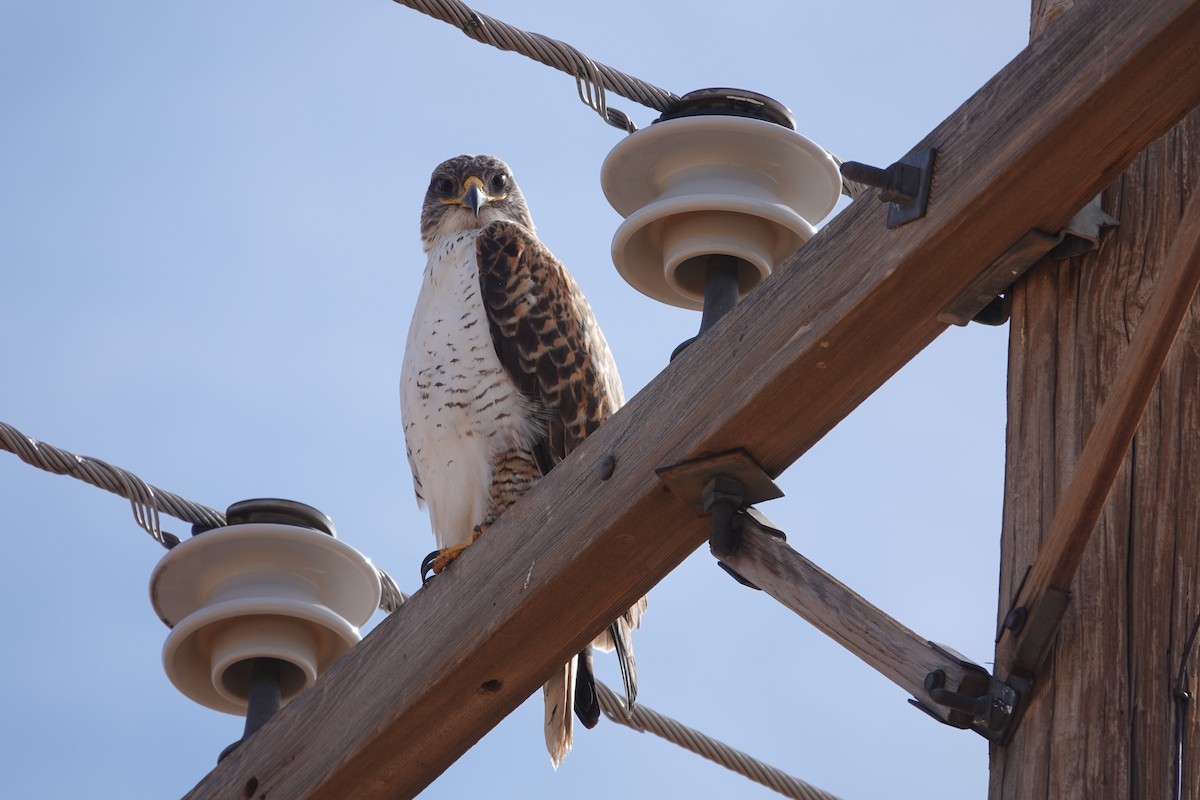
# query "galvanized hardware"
(687, 479)
(264, 699)
(1036, 634)
(767, 527)
(904, 184)
(982, 302)
(1082, 232)
(722, 485)
(731, 103)
(280, 512)
(607, 467)
(1014, 620)
(981, 703)
(721, 293)
(723, 497)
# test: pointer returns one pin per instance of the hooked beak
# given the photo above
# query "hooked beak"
(473, 197)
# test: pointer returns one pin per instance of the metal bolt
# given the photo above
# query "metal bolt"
(607, 466)
(1014, 620)
(864, 173)
(899, 182)
(935, 680)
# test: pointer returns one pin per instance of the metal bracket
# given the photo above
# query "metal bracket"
(687, 479)
(1035, 629)
(982, 301)
(905, 184)
(721, 485)
(767, 527)
(981, 703)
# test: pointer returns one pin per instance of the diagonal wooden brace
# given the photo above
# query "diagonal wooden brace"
(1032, 622)
(946, 685)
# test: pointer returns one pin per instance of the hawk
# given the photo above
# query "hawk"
(505, 372)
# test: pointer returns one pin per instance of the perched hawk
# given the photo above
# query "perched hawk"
(505, 372)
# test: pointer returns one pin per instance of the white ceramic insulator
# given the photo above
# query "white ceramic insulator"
(713, 185)
(259, 590)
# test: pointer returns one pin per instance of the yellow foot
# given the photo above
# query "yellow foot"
(445, 556)
(438, 560)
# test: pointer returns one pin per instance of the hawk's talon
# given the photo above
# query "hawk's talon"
(427, 566)
(438, 560)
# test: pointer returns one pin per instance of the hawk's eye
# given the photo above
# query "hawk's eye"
(500, 183)
(443, 186)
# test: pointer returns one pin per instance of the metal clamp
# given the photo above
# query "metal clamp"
(904, 184)
(721, 485)
(981, 703)
(986, 301)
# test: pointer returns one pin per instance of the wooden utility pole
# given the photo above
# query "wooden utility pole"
(1101, 722)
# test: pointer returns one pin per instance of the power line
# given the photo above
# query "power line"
(147, 501)
(642, 720)
(592, 78)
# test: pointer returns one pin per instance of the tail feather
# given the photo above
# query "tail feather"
(619, 637)
(622, 637)
(632, 618)
(574, 686)
(560, 723)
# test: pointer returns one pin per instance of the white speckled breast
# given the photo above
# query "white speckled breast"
(458, 405)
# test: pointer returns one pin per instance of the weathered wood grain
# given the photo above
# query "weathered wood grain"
(1104, 453)
(777, 373)
(1100, 721)
(842, 614)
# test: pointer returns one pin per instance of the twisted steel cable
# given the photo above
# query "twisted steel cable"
(552, 53)
(642, 719)
(147, 501)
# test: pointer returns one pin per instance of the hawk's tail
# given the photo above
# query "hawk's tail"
(559, 692)
(575, 684)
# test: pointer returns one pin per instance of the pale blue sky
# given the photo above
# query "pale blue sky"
(209, 251)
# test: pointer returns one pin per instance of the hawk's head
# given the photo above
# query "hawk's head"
(468, 192)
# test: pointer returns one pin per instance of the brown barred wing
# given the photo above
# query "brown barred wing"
(547, 338)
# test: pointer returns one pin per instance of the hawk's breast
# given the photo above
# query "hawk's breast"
(458, 405)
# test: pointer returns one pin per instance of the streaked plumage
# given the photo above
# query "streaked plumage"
(505, 372)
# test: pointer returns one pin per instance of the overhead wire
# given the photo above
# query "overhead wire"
(645, 720)
(1182, 698)
(592, 78)
(147, 501)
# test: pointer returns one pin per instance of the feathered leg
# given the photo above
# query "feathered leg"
(513, 474)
